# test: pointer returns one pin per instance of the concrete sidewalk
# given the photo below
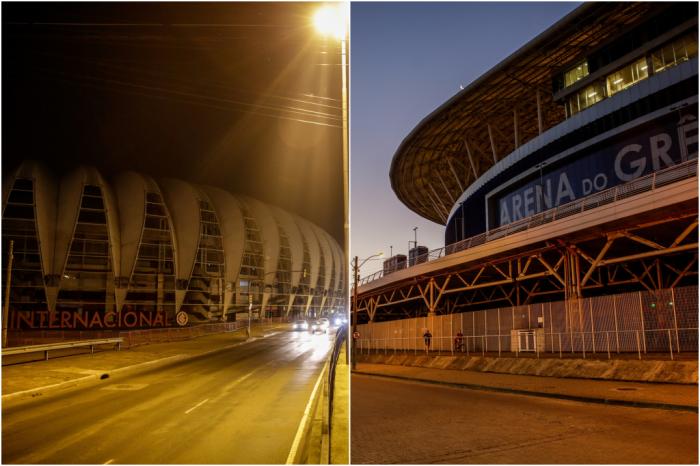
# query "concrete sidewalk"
(651, 395)
(340, 423)
(31, 379)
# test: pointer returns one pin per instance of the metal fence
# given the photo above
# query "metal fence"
(640, 185)
(630, 325)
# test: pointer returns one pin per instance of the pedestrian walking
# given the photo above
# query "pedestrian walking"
(459, 341)
(426, 338)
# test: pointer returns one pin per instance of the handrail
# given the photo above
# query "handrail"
(62, 345)
(639, 185)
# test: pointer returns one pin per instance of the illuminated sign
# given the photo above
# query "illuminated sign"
(68, 320)
(666, 142)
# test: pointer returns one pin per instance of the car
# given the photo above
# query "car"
(300, 325)
(317, 327)
(325, 323)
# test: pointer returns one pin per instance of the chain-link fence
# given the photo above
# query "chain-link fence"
(648, 324)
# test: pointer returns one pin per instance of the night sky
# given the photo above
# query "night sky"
(406, 60)
(244, 96)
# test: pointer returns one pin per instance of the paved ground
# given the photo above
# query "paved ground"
(681, 395)
(240, 405)
(415, 423)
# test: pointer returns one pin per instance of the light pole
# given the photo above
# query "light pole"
(332, 20)
(356, 276)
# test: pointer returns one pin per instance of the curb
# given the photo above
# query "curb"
(39, 391)
(559, 396)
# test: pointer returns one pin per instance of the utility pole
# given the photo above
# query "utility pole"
(6, 307)
(355, 270)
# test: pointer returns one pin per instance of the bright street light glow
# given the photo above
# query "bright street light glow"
(332, 20)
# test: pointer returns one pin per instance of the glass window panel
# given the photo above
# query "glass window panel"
(578, 72)
(627, 76)
(21, 197)
(675, 52)
(586, 97)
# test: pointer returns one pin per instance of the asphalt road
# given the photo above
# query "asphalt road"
(412, 423)
(241, 405)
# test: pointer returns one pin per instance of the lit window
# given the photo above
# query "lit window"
(627, 76)
(578, 72)
(673, 53)
(585, 98)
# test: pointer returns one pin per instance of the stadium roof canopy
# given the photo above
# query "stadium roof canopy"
(506, 107)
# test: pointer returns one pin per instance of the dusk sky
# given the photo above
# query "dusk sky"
(406, 60)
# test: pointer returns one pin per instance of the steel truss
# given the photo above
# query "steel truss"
(654, 255)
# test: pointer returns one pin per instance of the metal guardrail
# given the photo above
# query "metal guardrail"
(341, 334)
(62, 345)
(640, 185)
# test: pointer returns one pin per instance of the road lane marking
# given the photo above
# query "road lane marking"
(302, 423)
(109, 461)
(196, 406)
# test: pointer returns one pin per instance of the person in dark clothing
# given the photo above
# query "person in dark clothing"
(459, 341)
(426, 337)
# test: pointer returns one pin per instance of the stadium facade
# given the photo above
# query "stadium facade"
(134, 252)
(567, 171)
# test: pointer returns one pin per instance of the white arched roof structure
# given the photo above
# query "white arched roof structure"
(57, 204)
(183, 205)
(228, 211)
(45, 204)
(296, 243)
(130, 189)
(307, 232)
(327, 255)
(270, 236)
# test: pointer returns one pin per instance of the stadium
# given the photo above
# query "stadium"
(566, 178)
(124, 253)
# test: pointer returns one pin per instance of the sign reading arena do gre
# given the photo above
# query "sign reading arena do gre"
(661, 144)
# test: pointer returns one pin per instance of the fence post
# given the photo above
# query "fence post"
(607, 342)
(560, 345)
(483, 345)
(590, 309)
(617, 333)
(675, 320)
(639, 351)
(670, 344)
(641, 317)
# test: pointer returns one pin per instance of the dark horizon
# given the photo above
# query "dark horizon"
(240, 96)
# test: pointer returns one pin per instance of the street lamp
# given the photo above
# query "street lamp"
(332, 20)
(356, 274)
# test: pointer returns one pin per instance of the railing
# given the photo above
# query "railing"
(662, 323)
(340, 337)
(640, 185)
(647, 344)
(62, 345)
